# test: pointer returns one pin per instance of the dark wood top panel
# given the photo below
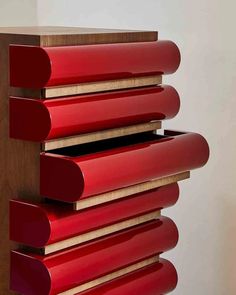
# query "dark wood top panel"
(59, 36)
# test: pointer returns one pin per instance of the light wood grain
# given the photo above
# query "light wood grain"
(101, 86)
(85, 88)
(99, 135)
(99, 232)
(130, 190)
(111, 276)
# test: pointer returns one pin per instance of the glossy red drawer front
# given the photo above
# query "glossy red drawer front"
(39, 120)
(40, 224)
(156, 279)
(83, 171)
(38, 67)
(62, 271)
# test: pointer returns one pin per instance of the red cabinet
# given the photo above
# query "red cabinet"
(38, 225)
(38, 120)
(97, 153)
(65, 270)
(38, 67)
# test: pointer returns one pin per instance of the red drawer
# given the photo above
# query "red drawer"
(39, 67)
(78, 172)
(65, 270)
(156, 279)
(39, 120)
(38, 225)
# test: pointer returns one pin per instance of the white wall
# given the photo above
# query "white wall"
(18, 13)
(205, 32)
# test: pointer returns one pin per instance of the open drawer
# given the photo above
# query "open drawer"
(39, 67)
(66, 270)
(157, 278)
(39, 120)
(86, 170)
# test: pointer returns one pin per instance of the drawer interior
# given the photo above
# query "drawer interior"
(103, 145)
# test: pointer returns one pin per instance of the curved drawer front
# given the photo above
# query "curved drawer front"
(39, 67)
(65, 270)
(39, 120)
(159, 278)
(70, 177)
(38, 225)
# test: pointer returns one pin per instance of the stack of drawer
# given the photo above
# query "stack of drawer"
(105, 170)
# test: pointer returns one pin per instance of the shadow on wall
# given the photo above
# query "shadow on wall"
(227, 255)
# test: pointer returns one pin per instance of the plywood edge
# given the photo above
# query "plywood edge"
(108, 85)
(86, 88)
(130, 190)
(100, 135)
(125, 224)
(111, 276)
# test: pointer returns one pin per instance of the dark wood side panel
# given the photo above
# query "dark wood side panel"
(19, 160)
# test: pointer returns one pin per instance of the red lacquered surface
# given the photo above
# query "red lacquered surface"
(156, 279)
(38, 225)
(37, 67)
(61, 271)
(71, 178)
(39, 120)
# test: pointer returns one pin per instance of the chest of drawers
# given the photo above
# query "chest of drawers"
(86, 168)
